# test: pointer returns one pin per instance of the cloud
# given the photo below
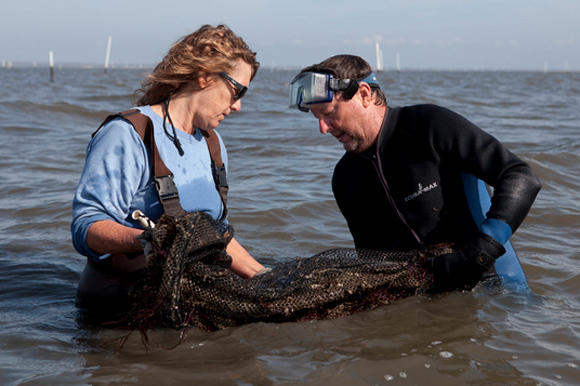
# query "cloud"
(366, 41)
(448, 42)
(565, 42)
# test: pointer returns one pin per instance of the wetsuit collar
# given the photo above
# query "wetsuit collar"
(388, 127)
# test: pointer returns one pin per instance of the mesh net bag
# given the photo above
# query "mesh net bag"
(187, 282)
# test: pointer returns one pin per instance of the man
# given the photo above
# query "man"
(400, 184)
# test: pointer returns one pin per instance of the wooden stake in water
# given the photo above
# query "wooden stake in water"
(108, 54)
(51, 61)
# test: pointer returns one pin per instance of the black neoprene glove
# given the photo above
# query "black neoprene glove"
(462, 270)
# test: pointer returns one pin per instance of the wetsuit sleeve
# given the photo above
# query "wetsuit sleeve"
(480, 154)
(115, 169)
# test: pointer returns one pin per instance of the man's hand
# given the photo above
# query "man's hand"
(461, 271)
(453, 272)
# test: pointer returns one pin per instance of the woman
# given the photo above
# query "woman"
(197, 84)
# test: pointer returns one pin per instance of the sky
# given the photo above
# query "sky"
(536, 35)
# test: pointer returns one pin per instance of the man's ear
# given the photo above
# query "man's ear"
(365, 93)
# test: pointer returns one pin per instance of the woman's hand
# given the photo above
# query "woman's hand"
(243, 264)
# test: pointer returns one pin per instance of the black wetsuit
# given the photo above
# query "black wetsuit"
(407, 191)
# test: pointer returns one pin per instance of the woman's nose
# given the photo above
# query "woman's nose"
(237, 106)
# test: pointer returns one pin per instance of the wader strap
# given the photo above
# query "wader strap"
(218, 168)
(166, 188)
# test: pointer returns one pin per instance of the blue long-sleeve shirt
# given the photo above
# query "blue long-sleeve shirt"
(117, 178)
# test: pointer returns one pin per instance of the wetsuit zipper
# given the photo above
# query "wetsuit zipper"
(375, 160)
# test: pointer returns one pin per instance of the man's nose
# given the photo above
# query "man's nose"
(323, 126)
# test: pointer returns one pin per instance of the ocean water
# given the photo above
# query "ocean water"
(281, 206)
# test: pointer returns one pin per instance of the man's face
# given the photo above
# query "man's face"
(346, 121)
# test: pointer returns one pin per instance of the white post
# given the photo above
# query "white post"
(379, 57)
(377, 54)
(398, 64)
(51, 62)
(108, 54)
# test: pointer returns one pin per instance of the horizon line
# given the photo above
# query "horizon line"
(7, 65)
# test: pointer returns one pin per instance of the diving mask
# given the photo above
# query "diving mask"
(313, 87)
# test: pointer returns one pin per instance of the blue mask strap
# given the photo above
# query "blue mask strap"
(371, 80)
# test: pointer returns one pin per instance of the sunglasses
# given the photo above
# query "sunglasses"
(240, 89)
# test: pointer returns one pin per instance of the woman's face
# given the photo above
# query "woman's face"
(216, 100)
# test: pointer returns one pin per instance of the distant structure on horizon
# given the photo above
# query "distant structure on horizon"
(108, 55)
(379, 53)
(398, 63)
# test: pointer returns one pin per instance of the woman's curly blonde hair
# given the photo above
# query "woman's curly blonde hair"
(209, 50)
